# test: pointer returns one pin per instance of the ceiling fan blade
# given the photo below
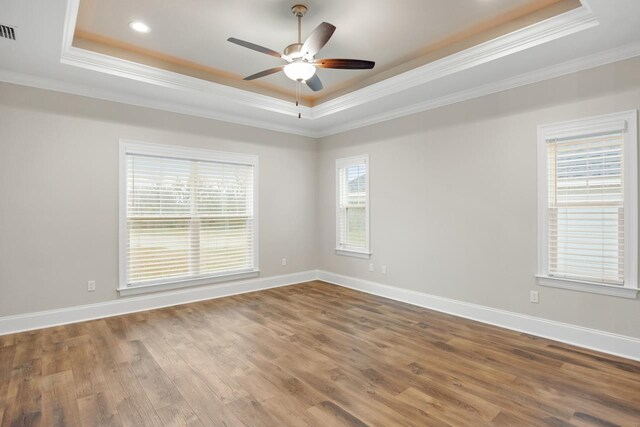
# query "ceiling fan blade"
(255, 47)
(344, 64)
(314, 83)
(264, 73)
(318, 38)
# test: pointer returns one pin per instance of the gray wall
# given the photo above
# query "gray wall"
(59, 192)
(453, 197)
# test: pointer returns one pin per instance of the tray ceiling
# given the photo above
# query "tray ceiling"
(522, 51)
(189, 37)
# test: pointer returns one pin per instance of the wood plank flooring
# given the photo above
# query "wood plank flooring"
(311, 354)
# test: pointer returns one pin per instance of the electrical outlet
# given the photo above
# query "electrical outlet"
(91, 285)
(384, 269)
(371, 267)
(533, 296)
(284, 262)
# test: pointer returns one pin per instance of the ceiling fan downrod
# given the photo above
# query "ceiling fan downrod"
(299, 11)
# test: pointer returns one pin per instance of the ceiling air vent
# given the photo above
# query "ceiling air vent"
(7, 32)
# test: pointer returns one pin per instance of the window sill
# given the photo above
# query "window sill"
(352, 253)
(143, 289)
(591, 287)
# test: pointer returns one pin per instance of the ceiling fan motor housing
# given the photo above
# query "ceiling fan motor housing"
(294, 50)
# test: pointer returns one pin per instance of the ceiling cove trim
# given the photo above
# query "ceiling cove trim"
(573, 66)
(576, 65)
(139, 101)
(131, 70)
(551, 29)
(74, 56)
(536, 34)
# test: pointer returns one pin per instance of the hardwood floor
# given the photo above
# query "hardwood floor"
(311, 354)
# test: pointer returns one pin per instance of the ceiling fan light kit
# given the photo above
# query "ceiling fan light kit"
(299, 71)
(301, 59)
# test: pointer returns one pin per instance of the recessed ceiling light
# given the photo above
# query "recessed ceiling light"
(139, 26)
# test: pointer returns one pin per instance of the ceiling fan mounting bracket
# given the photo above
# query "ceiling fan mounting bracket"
(299, 10)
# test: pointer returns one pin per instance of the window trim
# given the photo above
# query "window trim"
(625, 122)
(127, 146)
(364, 253)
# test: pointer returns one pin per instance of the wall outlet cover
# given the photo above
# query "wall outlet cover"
(533, 297)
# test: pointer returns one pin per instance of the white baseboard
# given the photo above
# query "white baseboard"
(45, 319)
(593, 339)
(606, 342)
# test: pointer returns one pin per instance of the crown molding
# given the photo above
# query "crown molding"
(536, 34)
(139, 101)
(94, 61)
(550, 29)
(215, 97)
(131, 70)
(573, 66)
(580, 64)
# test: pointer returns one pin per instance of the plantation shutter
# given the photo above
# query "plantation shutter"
(187, 219)
(586, 208)
(353, 227)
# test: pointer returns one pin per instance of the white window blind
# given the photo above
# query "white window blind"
(586, 208)
(187, 218)
(588, 205)
(352, 220)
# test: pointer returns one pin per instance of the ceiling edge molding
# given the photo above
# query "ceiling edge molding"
(580, 64)
(550, 29)
(94, 61)
(69, 29)
(144, 73)
(536, 34)
(573, 66)
(138, 101)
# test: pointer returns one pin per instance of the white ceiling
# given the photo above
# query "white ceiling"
(42, 56)
(385, 31)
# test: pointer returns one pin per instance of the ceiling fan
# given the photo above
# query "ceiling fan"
(301, 56)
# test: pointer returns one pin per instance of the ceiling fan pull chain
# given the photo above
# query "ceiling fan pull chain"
(298, 99)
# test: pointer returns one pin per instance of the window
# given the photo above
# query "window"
(352, 206)
(587, 178)
(187, 216)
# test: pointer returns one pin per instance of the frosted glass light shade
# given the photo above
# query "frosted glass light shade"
(299, 71)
